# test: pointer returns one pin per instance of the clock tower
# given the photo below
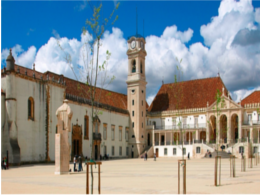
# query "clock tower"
(136, 94)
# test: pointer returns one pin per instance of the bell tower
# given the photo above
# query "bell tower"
(136, 94)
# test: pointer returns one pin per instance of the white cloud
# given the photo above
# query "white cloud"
(230, 51)
(24, 58)
(257, 15)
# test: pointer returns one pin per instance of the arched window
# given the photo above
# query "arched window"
(133, 66)
(141, 67)
(86, 123)
(31, 108)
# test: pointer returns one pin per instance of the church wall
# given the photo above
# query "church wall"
(3, 83)
(31, 133)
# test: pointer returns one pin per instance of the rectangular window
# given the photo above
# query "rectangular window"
(142, 102)
(86, 131)
(133, 124)
(113, 150)
(105, 131)
(174, 151)
(105, 150)
(133, 113)
(165, 151)
(126, 134)
(198, 150)
(120, 134)
(142, 125)
(113, 132)
(126, 151)
(142, 113)
(56, 129)
(241, 149)
(133, 102)
(120, 150)
(184, 151)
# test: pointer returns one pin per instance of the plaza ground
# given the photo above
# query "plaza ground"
(133, 176)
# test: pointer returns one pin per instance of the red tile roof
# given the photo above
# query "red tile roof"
(252, 98)
(79, 89)
(195, 94)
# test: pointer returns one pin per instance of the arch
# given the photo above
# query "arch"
(203, 135)
(234, 127)
(31, 108)
(133, 66)
(212, 128)
(176, 136)
(223, 128)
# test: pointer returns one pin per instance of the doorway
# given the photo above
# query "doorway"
(162, 140)
(132, 154)
(96, 152)
(76, 141)
(148, 139)
(157, 152)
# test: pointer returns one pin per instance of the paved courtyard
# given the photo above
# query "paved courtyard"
(133, 176)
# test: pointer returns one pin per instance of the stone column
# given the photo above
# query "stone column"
(207, 132)
(197, 134)
(228, 129)
(159, 138)
(165, 138)
(240, 127)
(153, 137)
(171, 138)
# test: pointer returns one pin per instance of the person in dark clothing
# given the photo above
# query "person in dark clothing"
(74, 162)
(80, 164)
(154, 157)
(2, 165)
(145, 155)
(188, 156)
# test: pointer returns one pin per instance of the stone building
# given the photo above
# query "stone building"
(127, 126)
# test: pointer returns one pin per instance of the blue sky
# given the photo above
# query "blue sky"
(208, 36)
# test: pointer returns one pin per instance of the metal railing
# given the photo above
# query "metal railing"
(96, 136)
(183, 126)
(197, 141)
(254, 122)
(168, 143)
(156, 143)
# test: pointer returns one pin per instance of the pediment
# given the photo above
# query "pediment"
(224, 104)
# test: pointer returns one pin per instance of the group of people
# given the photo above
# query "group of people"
(4, 164)
(79, 160)
(209, 153)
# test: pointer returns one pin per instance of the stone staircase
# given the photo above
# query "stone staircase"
(149, 150)
(223, 154)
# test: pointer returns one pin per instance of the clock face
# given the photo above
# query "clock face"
(133, 44)
(142, 44)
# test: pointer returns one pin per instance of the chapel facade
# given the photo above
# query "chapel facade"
(127, 127)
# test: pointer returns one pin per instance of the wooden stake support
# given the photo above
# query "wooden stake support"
(243, 164)
(232, 166)
(87, 176)
(182, 163)
(250, 161)
(217, 158)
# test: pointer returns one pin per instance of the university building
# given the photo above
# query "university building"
(127, 126)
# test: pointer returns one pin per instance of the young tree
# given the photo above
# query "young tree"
(92, 72)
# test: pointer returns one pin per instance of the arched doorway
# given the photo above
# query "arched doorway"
(212, 129)
(176, 137)
(76, 140)
(234, 127)
(148, 139)
(223, 128)
(203, 135)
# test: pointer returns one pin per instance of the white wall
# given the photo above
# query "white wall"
(189, 149)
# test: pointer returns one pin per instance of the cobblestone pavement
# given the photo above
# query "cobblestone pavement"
(133, 176)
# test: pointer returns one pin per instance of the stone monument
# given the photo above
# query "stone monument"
(62, 147)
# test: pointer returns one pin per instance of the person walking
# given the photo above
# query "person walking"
(146, 156)
(154, 157)
(80, 164)
(2, 164)
(188, 156)
(5, 163)
(74, 161)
